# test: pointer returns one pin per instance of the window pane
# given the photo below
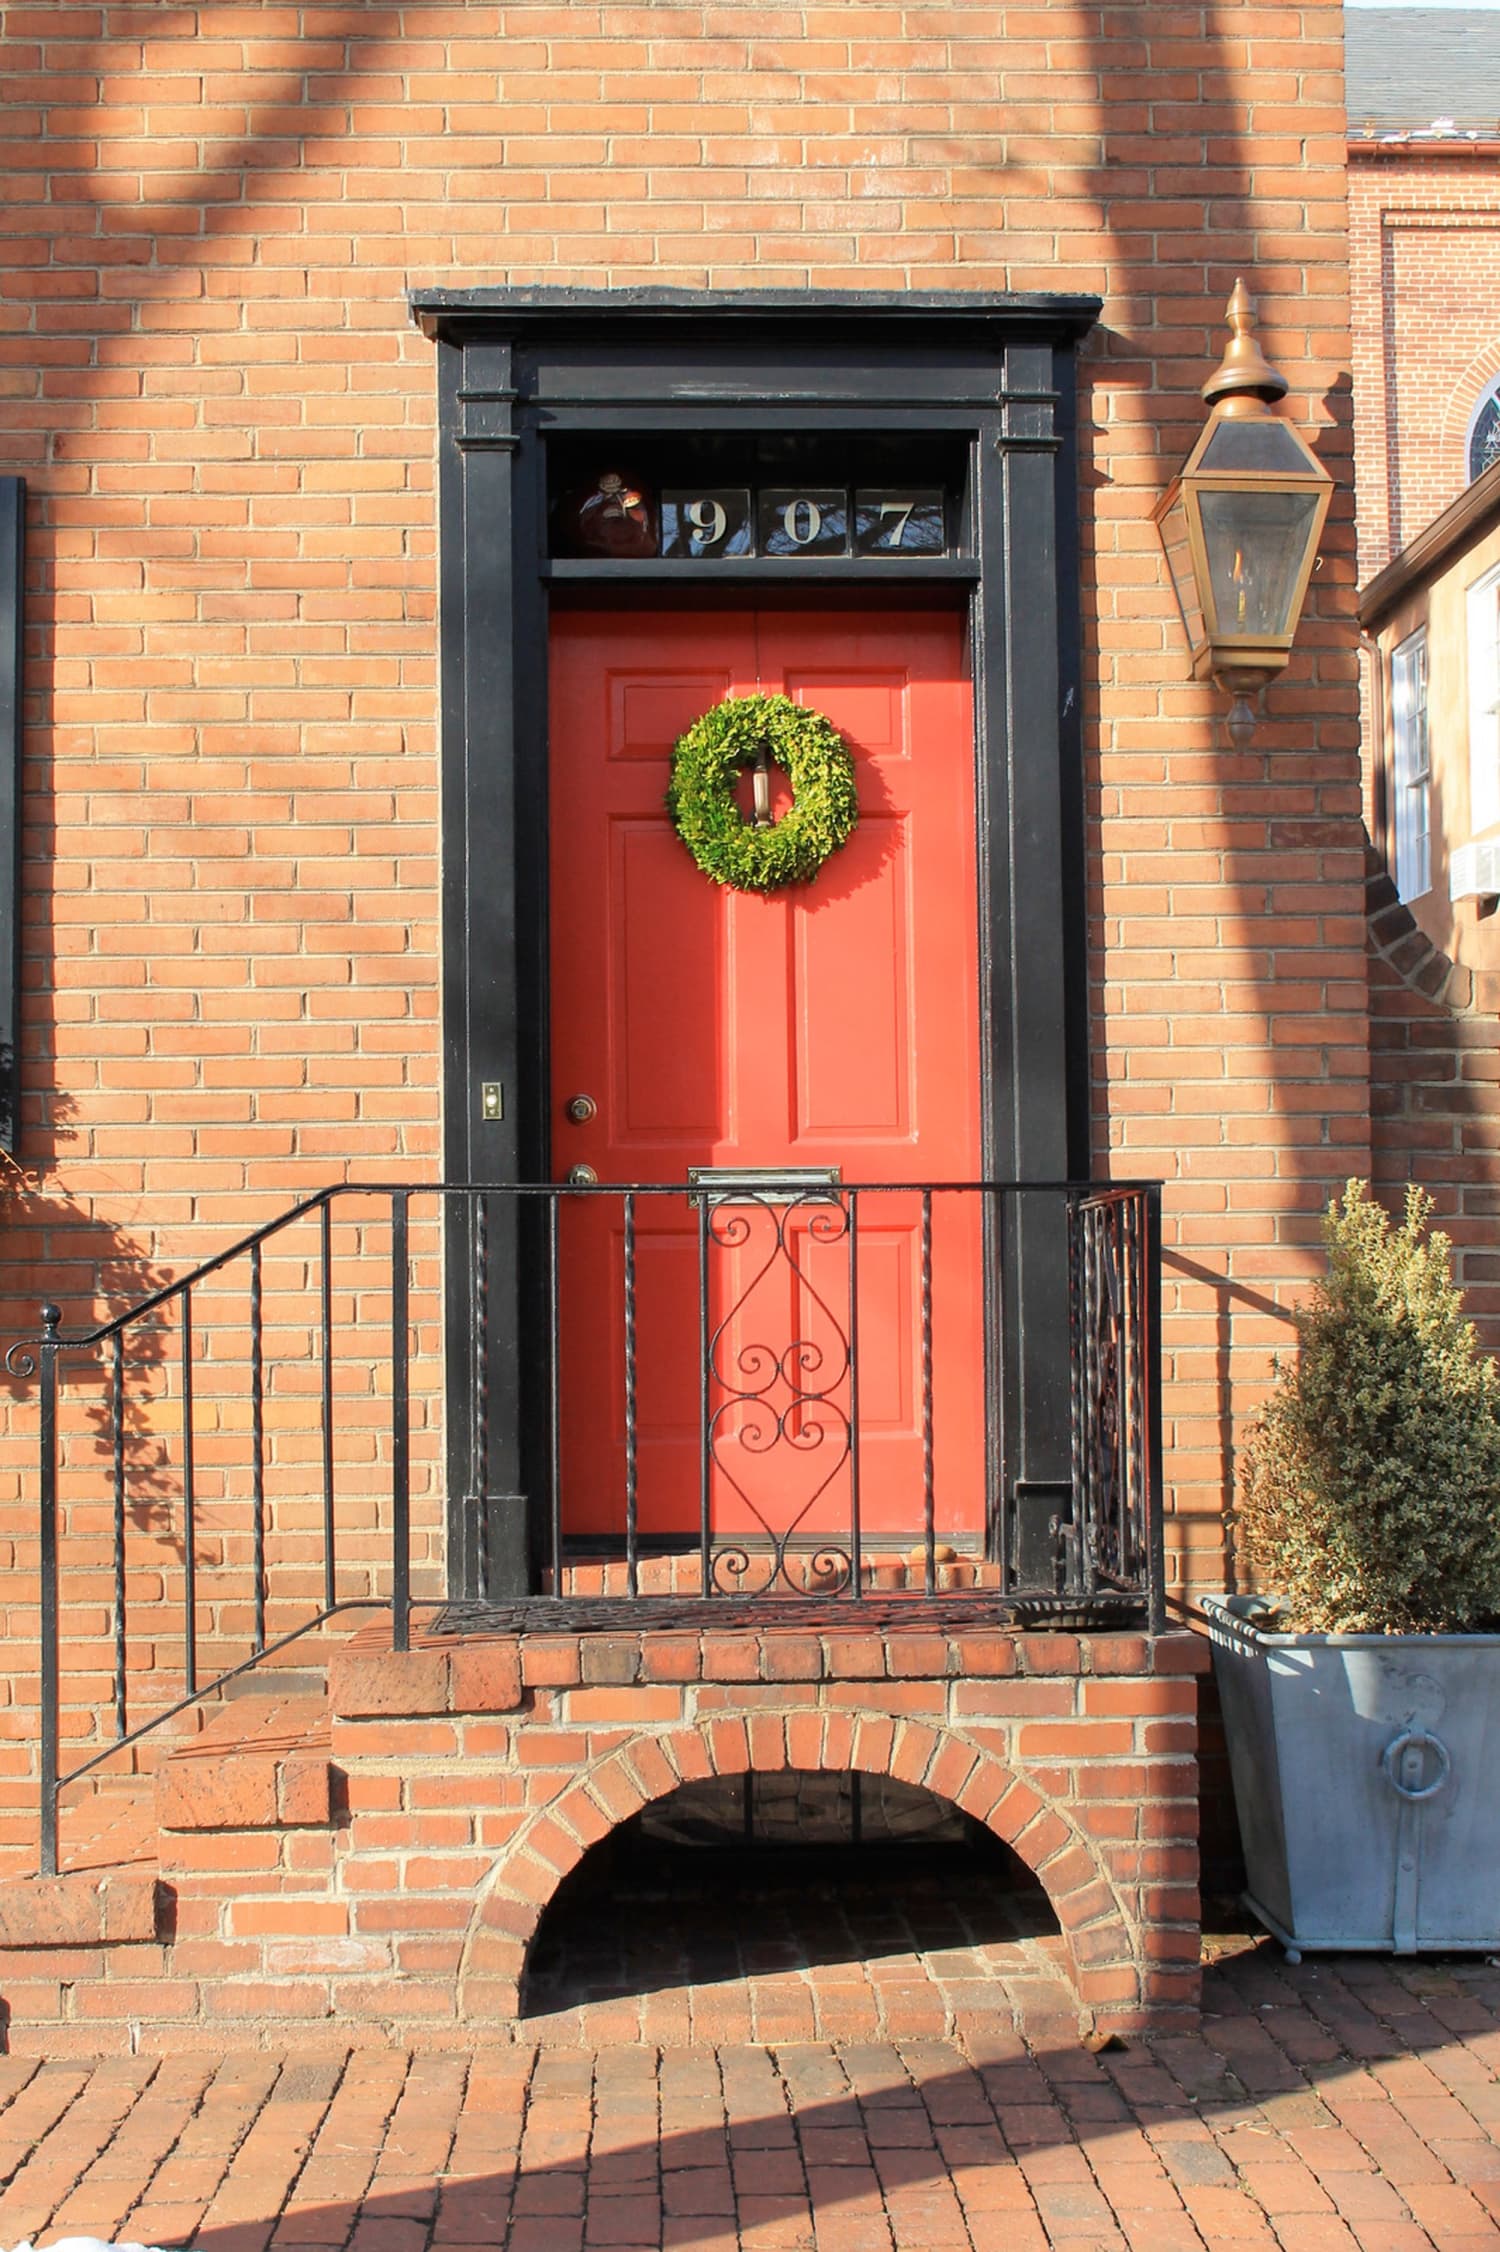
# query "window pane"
(1484, 439)
(1484, 694)
(1411, 776)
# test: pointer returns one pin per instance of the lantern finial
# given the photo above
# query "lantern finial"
(1244, 372)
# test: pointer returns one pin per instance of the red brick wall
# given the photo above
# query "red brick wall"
(208, 376)
(1424, 271)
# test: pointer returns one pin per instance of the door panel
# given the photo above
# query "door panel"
(835, 1023)
(853, 1069)
(662, 974)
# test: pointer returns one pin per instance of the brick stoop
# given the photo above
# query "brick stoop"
(380, 1860)
(256, 1765)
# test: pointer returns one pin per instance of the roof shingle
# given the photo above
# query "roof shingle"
(1410, 70)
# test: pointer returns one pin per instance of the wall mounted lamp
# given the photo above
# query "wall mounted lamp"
(1241, 523)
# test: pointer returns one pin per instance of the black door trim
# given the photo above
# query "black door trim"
(516, 367)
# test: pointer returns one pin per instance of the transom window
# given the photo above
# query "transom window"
(1412, 811)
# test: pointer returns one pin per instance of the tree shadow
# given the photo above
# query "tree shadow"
(992, 2140)
(92, 1272)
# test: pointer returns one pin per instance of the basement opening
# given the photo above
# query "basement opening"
(814, 1900)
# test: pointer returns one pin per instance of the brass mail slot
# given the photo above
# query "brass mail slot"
(750, 1184)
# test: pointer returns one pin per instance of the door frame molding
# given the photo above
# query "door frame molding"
(518, 366)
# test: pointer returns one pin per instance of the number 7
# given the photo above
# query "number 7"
(905, 509)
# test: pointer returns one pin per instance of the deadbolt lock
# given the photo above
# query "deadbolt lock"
(582, 1108)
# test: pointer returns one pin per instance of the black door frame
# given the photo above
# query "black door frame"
(998, 372)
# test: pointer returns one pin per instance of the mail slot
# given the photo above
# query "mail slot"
(749, 1184)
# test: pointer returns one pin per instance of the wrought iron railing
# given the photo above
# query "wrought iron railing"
(686, 1402)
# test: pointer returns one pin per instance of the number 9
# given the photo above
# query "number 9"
(708, 520)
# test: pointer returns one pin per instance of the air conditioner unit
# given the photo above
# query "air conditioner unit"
(1474, 871)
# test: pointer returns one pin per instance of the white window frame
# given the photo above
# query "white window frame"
(1411, 768)
(1483, 638)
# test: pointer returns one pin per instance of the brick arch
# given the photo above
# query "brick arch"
(1463, 399)
(1099, 1928)
(1395, 938)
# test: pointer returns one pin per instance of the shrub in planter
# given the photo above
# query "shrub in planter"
(1361, 1694)
(1370, 1486)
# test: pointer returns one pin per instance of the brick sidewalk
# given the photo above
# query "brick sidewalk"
(1332, 2106)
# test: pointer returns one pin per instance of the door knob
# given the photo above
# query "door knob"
(582, 1177)
(582, 1108)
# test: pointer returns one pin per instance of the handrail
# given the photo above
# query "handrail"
(323, 1198)
(1107, 1539)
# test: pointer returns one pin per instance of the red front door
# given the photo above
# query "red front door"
(832, 1024)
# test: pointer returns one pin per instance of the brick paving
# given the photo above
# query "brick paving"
(1335, 2107)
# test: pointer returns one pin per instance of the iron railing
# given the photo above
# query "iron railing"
(747, 1391)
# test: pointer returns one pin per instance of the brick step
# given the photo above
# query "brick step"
(259, 1763)
(82, 1908)
(109, 1891)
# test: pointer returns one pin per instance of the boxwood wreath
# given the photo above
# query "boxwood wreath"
(707, 763)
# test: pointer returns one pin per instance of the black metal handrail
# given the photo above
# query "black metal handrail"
(1102, 1529)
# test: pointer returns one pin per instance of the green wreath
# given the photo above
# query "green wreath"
(706, 764)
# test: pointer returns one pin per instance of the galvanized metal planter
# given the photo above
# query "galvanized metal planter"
(1364, 1779)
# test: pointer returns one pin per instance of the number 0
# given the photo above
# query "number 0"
(805, 514)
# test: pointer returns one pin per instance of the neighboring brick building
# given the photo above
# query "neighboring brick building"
(284, 911)
(1424, 261)
(1424, 255)
(1435, 968)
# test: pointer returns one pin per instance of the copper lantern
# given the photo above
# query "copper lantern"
(1241, 523)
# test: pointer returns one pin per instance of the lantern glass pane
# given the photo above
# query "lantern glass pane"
(1175, 540)
(1256, 544)
(1265, 448)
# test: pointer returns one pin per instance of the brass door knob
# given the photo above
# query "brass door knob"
(581, 1109)
(582, 1177)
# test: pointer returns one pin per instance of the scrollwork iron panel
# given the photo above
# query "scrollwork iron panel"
(778, 1401)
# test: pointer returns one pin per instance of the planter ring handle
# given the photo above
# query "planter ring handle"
(1415, 1739)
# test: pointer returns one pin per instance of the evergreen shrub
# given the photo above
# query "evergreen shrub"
(1370, 1484)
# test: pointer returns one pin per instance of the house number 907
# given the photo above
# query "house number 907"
(818, 520)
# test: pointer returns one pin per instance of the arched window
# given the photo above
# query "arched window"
(1484, 432)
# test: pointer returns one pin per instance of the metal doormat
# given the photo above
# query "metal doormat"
(869, 1614)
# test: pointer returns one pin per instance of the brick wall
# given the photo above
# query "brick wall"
(209, 379)
(1424, 269)
(1435, 1090)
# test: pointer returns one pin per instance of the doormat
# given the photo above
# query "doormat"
(815, 1614)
